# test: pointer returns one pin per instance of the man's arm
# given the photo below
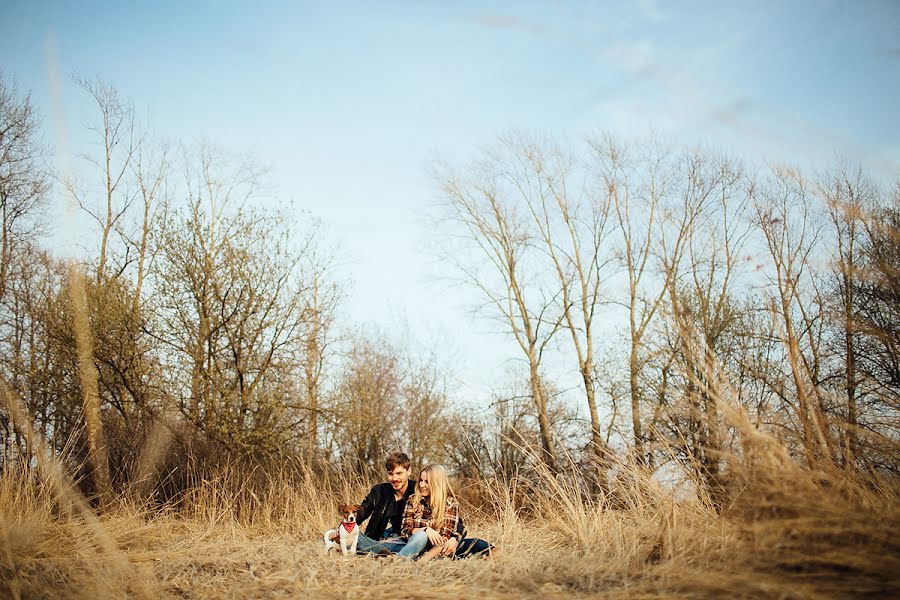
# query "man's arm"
(409, 521)
(367, 506)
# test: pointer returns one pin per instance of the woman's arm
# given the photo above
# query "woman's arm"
(448, 528)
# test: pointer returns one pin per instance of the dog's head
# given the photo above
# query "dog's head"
(348, 512)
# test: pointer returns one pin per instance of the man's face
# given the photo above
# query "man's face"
(398, 477)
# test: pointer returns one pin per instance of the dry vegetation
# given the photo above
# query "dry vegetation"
(786, 533)
(181, 415)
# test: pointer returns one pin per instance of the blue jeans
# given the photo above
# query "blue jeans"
(366, 545)
(415, 546)
(418, 543)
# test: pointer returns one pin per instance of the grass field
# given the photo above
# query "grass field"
(785, 532)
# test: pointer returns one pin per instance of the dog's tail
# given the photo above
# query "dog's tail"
(329, 545)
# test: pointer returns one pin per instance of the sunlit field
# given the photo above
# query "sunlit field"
(783, 532)
(628, 273)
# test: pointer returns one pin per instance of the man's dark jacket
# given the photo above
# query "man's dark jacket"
(380, 507)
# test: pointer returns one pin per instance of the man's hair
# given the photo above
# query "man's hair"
(396, 459)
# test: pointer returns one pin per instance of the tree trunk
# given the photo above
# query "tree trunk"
(635, 404)
(540, 401)
(852, 385)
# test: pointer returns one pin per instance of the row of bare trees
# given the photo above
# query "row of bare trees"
(759, 289)
(199, 323)
(649, 291)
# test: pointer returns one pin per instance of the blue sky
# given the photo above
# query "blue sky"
(348, 103)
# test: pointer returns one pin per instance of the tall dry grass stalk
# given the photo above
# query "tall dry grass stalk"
(88, 376)
(43, 514)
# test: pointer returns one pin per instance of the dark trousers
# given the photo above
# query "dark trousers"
(471, 547)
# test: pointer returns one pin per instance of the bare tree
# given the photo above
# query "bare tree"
(570, 224)
(367, 413)
(23, 189)
(230, 297)
(28, 365)
(639, 181)
(118, 144)
(150, 169)
(109, 332)
(876, 321)
(318, 323)
(424, 417)
(23, 176)
(850, 198)
(791, 233)
(490, 208)
(878, 312)
(707, 318)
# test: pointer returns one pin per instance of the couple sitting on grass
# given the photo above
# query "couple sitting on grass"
(415, 519)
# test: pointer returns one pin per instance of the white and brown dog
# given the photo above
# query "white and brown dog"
(348, 531)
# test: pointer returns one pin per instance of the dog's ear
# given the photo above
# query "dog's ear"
(356, 507)
(342, 508)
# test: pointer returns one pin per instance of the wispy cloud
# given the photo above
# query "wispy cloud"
(650, 9)
(508, 22)
(638, 81)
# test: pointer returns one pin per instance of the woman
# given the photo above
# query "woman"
(430, 517)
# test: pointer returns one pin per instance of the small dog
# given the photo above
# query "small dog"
(348, 531)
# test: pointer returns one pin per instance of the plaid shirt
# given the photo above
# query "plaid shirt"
(420, 516)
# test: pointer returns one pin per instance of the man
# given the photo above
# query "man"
(383, 507)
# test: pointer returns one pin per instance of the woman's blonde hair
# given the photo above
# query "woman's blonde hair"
(439, 491)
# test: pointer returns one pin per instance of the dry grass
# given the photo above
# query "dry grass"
(788, 535)
(780, 531)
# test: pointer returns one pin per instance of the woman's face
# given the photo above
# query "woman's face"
(424, 487)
